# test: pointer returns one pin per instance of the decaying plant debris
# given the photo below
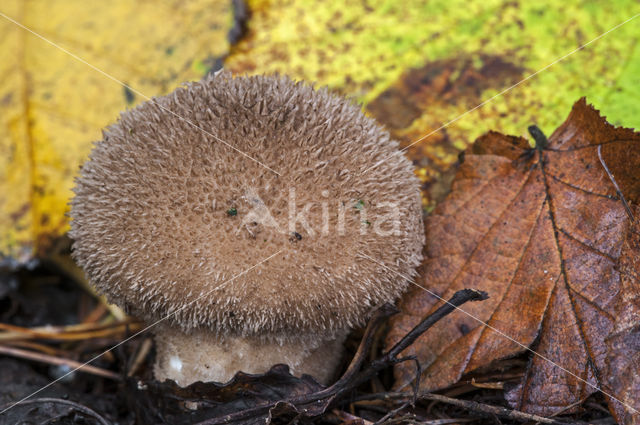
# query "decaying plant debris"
(129, 395)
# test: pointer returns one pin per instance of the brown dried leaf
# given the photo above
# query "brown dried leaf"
(623, 356)
(541, 230)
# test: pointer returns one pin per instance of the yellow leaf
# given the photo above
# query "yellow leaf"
(53, 106)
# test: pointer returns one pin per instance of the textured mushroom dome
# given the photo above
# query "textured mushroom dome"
(246, 205)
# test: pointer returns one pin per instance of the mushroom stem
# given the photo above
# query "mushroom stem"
(190, 356)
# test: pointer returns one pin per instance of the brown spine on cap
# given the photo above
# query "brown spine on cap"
(174, 209)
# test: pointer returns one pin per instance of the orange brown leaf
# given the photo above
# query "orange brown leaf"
(623, 345)
(541, 230)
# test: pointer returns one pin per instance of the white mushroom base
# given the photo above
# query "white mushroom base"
(198, 356)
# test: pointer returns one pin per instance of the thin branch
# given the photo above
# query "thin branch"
(615, 184)
(77, 406)
(474, 406)
(45, 358)
(488, 409)
(457, 300)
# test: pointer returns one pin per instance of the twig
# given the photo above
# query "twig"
(392, 413)
(569, 407)
(347, 418)
(95, 315)
(71, 332)
(391, 357)
(473, 406)
(457, 300)
(408, 418)
(45, 358)
(34, 346)
(412, 420)
(140, 356)
(79, 407)
(615, 184)
(488, 409)
(350, 375)
(67, 333)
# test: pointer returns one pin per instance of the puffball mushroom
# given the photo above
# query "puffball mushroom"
(184, 198)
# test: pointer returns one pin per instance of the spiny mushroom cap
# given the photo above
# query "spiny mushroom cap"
(169, 219)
